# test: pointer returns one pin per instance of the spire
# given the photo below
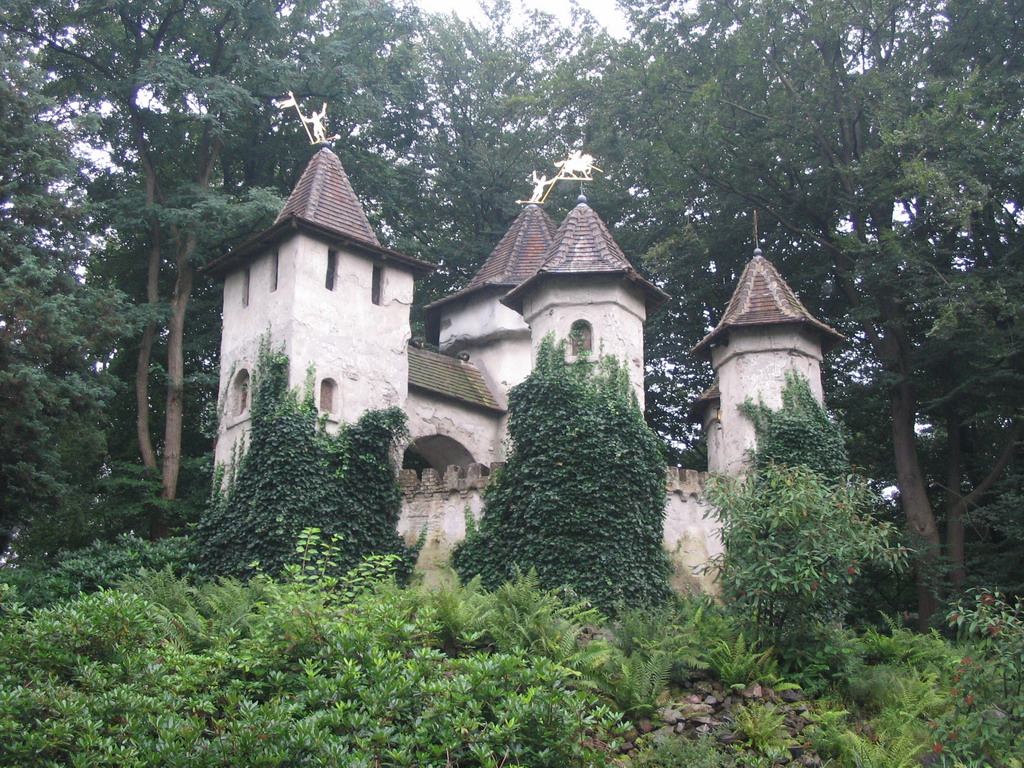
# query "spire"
(324, 196)
(762, 298)
(584, 246)
(520, 252)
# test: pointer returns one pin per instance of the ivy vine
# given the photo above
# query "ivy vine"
(295, 475)
(581, 498)
(800, 433)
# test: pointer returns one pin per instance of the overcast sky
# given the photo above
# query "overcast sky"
(605, 11)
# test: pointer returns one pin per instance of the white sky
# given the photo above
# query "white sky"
(605, 11)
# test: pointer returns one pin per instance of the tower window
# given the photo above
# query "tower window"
(275, 262)
(328, 395)
(581, 338)
(240, 392)
(377, 285)
(332, 270)
(245, 287)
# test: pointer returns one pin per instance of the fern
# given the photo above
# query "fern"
(634, 683)
(739, 663)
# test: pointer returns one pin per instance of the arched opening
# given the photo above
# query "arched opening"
(581, 338)
(328, 395)
(240, 392)
(437, 451)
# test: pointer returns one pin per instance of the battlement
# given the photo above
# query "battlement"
(454, 479)
(686, 483)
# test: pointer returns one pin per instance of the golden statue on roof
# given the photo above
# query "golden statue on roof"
(578, 166)
(314, 124)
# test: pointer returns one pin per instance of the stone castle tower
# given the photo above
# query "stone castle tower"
(318, 283)
(764, 333)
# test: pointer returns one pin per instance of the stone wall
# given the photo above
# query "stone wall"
(438, 502)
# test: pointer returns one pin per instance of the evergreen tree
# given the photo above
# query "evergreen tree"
(581, 498)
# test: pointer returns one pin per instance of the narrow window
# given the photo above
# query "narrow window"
(275, 261)
(328, 391)
(332, 268)
(245, 287)
(377, 285)
(240, 392)
(581, 337)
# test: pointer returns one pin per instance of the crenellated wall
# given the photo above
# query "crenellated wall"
(438, 502)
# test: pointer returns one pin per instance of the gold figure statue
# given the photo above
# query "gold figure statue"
(314, 124)
(578, 166)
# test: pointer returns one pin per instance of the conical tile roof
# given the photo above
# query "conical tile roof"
(582, 245)
(762, 297)
(324, 196)
(520, 252)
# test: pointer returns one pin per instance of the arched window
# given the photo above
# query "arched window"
(581, 338)
(328, 394)
(240, 392)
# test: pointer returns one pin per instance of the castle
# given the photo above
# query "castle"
(338, 302)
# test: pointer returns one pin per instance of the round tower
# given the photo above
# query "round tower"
(764, 333)
(586, 291)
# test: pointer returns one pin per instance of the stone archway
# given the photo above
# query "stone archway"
(437, 451)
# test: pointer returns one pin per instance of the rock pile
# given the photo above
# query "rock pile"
(707, 707)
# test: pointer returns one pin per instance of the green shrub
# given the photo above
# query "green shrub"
(701, 752)
(794, 545)
(985, 723)
(581, 498)
(320, 672)
(103, 564)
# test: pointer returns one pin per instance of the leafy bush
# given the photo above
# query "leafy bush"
(987, 687)
(701, 752)
(794, 545)
(295, 475)
(582, 496)
(305, 671)
(103, 564)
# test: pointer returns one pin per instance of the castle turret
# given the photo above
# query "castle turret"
(765, 332)
(588, 292)
(319, 282)
(474, 321)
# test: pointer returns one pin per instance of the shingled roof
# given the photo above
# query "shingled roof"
(761, 298)
(324, 206)
(324, 196)
(450, 377)
(582, 245)
(517, 257)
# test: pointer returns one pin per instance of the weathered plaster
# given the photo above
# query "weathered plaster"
(753, 365)
(477, 430)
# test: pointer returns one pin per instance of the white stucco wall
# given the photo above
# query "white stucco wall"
(753, 366)
(615, 311)
(361, 345)
(496, 338)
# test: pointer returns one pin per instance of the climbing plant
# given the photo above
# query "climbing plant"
(800, 433)
(295, 475)
(581, 498)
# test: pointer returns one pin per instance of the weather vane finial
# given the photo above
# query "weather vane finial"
(578, 166)
(314, 124)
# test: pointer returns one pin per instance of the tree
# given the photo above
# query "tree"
(581, 498)
(875, 148)
(178, 94)
(56, 330)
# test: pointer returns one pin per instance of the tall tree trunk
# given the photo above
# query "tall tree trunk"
(914, 499)
(145, 356)
(175, 380)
